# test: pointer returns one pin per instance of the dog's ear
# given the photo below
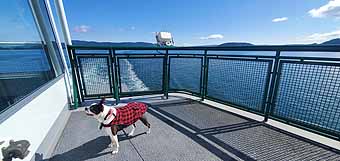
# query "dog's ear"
(102, 101)
(101, 107)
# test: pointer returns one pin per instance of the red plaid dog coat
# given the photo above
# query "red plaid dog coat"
(128, 114)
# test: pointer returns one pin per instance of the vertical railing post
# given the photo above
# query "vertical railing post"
(205, 75)
(115, 76)
(270, 99)
(74, 79)
(111, 73)
(166, 75)
(79, 83)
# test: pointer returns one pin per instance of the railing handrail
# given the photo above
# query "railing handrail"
(302, 48)
(271, 83)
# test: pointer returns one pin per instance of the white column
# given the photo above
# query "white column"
(62, 18)
(61, 51)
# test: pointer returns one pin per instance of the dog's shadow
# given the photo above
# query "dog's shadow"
(91, 149)
(124, 136)
(88, 150)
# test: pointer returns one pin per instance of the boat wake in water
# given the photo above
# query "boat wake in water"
(129, 79)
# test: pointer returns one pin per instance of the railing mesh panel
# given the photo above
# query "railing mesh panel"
(309, 93)
(185, 73)
(95, 74)
(240, 82)
(141, 74)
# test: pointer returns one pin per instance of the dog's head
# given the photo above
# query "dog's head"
(95, 109)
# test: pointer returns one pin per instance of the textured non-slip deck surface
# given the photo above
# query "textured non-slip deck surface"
(187, 130)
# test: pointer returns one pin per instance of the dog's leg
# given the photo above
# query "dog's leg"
(108, 131)
(146, 123)
(115, 149)
(114, 131)
(133, 130)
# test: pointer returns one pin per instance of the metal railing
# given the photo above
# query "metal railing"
(298, 90)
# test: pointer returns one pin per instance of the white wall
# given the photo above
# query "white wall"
(33, 121)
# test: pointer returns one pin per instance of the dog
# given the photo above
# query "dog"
(116, 119)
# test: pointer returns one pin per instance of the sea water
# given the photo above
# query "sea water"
(247, 90)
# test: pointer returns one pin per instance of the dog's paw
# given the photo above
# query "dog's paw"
(110, 145)
(149, 131)
(115, 151)
(131, 133)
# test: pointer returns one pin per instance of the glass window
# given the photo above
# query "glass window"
(25, 60)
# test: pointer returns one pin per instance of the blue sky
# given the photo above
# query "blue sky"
(194, 22)
(17, 23)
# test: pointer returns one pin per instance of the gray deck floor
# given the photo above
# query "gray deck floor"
(188, 130)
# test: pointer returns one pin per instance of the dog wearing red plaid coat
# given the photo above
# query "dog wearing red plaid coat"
(116, 119)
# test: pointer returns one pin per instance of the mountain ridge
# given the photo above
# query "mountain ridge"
(148, 44)
(332, 42)
(125, 44)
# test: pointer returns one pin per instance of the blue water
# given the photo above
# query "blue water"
(307, 94)
(21, 72)
(12, 61)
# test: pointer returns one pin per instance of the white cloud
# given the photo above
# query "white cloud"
(82, 28)
(212, 36)
(321, 37)
(280, 19)
(331, 9)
